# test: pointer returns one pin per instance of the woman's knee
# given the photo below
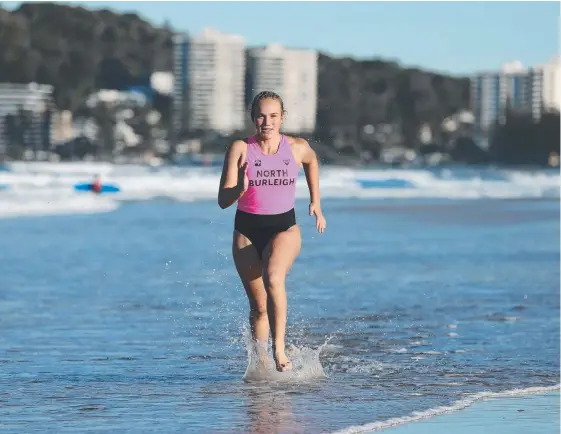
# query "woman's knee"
(258, 311)
(275, 278)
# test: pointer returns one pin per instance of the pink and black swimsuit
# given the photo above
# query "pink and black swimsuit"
(267, 207)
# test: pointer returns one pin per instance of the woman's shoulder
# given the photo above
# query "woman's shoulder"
(298, 145)
(239, 145)
(296, 141)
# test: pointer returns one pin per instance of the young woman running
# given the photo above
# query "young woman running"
(260, 173)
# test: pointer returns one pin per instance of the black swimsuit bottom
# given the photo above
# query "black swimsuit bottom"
(261, 228)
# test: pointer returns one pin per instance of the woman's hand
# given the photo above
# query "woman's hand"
(233, 180)
(315, 209)
(243, 180)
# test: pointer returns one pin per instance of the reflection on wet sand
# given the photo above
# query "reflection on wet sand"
(270, 411)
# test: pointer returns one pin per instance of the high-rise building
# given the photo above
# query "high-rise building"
(180, 74)
(292, 74)
(209, 88)
(266, 70)
(524, 90)
(551, 73)
(34, 101)
(488, 92)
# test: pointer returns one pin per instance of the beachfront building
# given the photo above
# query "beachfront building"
(292, 73)
(209, 82)
(179, 94)
(24, 110)
(514, 87)
(551, 73)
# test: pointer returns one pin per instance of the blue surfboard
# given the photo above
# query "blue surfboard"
(4, 186)
(105, 188)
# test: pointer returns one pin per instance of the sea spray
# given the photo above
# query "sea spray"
(261, 367)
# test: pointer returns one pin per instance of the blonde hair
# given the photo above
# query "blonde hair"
(266, 94)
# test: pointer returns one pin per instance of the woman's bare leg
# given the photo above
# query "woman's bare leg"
(249, 267)
(278, 257)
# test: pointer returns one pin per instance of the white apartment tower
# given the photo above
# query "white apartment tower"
(209, 75)
(34, 98)
(515, 87)
(552, 84)
(293, 75)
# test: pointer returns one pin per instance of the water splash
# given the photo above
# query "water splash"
(306, 364)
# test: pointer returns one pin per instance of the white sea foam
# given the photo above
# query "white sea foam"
(437, 411)
(12, 205)
(306, 365)
(47, 188)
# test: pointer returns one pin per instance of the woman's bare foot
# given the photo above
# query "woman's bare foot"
(281, 361)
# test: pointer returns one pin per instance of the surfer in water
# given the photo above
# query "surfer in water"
(260, 173)
(96, 185)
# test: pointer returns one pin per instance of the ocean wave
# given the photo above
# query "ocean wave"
(46, 188)
(437, 411)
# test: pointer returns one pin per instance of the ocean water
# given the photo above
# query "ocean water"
(428, 291)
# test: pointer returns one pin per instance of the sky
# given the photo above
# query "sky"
(457, 38)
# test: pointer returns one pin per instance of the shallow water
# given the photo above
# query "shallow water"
(135, 320)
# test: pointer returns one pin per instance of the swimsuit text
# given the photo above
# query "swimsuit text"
(271, 178)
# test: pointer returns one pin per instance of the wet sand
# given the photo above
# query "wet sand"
(516, 415)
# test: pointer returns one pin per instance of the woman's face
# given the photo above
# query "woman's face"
(268, 118)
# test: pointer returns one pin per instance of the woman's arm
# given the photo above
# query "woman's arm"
(311, 169)
(233, 180)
